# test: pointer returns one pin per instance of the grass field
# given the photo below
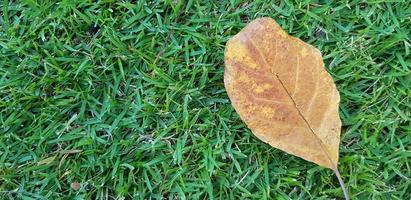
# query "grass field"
(125, 100)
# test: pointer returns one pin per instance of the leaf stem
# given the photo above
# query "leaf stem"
(344, 189)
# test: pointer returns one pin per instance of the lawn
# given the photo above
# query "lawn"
(125, 100)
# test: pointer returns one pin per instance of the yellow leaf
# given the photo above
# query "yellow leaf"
(279, 87)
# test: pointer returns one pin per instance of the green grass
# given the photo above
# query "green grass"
(127, 99)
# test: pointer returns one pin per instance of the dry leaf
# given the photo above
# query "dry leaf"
(279, 87)
(75, 185)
